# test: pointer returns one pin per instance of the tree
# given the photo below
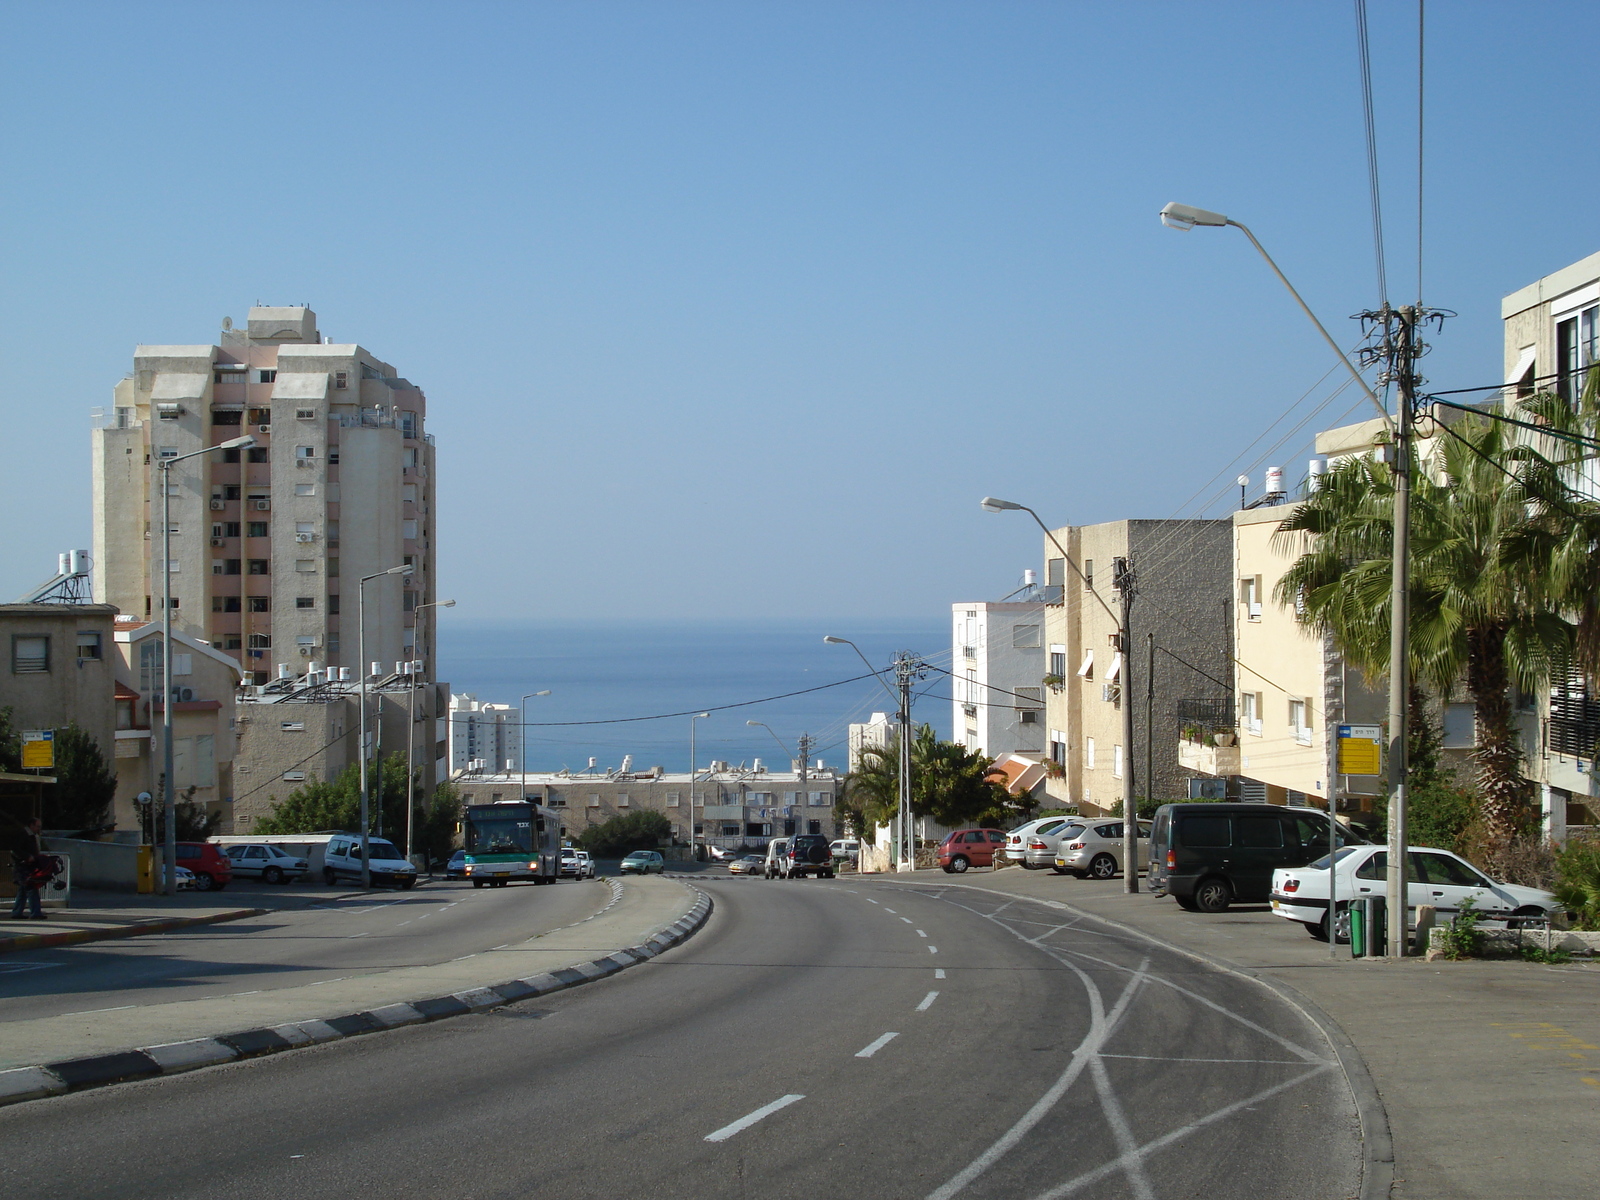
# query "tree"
(1502, 580)
(85, 786)
(10, 743)
(949, 783)
(438, 819)
(191, 821)
(336, 803)
(642, 830)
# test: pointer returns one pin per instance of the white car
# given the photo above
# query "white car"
(1016, 850)
(849, 848)
(1093, 850)
(183, 879)
(266, 862)
(1437, 877)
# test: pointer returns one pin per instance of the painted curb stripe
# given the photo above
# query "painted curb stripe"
(37, 941)
(104, 1068)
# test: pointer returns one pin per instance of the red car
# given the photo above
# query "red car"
(213, 870)
(970, 848)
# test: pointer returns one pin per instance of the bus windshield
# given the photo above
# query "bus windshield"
(499, 835)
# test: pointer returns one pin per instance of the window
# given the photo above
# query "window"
(225, 529)
(333, 603)
(333, 461)
(673, 800)
(408, 493)
(305, 601)
(1206, 831)
(226, 416)
(1088, 753)
(1058, 747)
(409, 601)
(1300, 721)
(260, 566)
(1250, 712)
(266, 376)
(1028, 716)
(1250, 597)
(1116, 761)
(409, 457)
(1263, 832)
(230, 491)
(1088, 574)
(305, 489)
(305, 566)
(1086, 668)
(225, 566)
(409, 530)
(333, 643)
(30, 653)
(341, 380)
(1460, 727)
(821, 799)
(258, 529)
(261, 641)
(305, 452)
(1025, 637)
(1058, 661)
(260, 603)
(622, 800)
(231, 455)
(305, 414)
(333, 571)
(594, 800)
(88, 646)
(1055, 572)
(1576, 350)
(231, 641)
(256, 454)
(408, 424)
(224, 604)
(166, 452)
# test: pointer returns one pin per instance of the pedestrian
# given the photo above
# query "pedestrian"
(30, 872)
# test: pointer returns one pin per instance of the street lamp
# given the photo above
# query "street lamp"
(693, 717)
(906, 850)
(413, 669)
(522, 742)
(1124, 586)
(364, 666)
(169, 807)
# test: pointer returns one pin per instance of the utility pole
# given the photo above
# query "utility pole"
(1122, 578)
(1149, 725)
(907, 668)
(805, 743)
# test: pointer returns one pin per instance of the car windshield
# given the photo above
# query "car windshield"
(639, 855)
(382, 849)
(1322, 863)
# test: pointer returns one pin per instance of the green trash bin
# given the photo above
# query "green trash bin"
(1368, 927)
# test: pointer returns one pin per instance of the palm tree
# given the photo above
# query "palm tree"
(1502, 579)
(949, 783)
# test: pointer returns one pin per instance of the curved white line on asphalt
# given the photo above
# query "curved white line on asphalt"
(869, 1051)
(749, 1119)
(927, 1001)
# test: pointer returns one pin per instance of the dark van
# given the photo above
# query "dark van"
(1206, 856)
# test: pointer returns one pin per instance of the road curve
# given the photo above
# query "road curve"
(817, 1037)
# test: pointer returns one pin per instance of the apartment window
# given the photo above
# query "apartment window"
(408, 493)
(333, 532)
(409, 530)
(1025, 637)
(341, 380)
(594, 800)
(260, 566)
(305, 414)
(622, 800)
(1028, 716)
(1250, 712)
(1577, 348)
(305, 452)
(333, 643)
(1058, 661)
(408, 424)
(1250, 596)
(1086, 668)
(230, 491)
(261, 641)
(305, 601)
(821, 799)
(1300, 721)
(231, 641)
(305, 489)
(305, 566)
(260, 603)
(409, 456)
(409, 601)
(292, 726)
(225, 529)
(166, 452)
(333, 603)
(333, 461)
(305, 528)
(230, 416)
(1116, 761)
(256, 454)
(88, 646)
(224, 604)
(266, 376)
(673, 800)
(231, 455)
(1088, 574)
(333, 570)
(1088, 753)
(257, 528)
(225, 566)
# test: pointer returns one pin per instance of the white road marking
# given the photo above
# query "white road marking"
(927, 1001)
(921, 934)
(870, 900)
(749, 1119)
(355, 935)
(86, 1011)
(887, 909)
(869, 1051)
(13, 968)
(1117, 1118)
(1272, 1062)
(938, 972)
(908, 920)
(257, 992)
(933, 949)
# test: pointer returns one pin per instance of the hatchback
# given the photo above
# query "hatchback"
(213, 870)
(1095, 850)
(643, 862)
(970, 848)
(1020, 840)
(750, 864)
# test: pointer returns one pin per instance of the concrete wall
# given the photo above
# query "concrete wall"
(72, 689)
(104, 866)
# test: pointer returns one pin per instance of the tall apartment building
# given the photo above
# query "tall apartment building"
(997, 648)
(269, 543)
(486, 733)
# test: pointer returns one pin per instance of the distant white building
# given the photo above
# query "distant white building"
(998, 658)
(486, 733)
(865, 734)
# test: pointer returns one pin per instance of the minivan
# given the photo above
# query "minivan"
(342, 860)
(1206, 856)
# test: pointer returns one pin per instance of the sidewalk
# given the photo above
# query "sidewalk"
(96, 916)
(80, 1049)
(1489, 1070)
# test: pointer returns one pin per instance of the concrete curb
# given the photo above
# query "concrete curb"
(38, 941)
(1377, 1140)
(174, 1058)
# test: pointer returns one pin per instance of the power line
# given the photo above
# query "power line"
(688, 712)
(1372, 146)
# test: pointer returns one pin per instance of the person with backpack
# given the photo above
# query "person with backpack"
(31, 870)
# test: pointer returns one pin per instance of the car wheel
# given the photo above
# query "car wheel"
(203, 882)
(959, 864)
(1187, 903)
(1213, 895)
(947, 869)
(1527, 910)
(1317, 929)
(330, 876)
(272, 875)
(407, 884)
(1103, 866)
(477, 883)
(1343, 930)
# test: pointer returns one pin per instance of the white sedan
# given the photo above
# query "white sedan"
(1437, 877)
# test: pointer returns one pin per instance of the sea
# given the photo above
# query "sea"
(621, 689)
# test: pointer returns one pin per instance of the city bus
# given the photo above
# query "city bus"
(512, 839)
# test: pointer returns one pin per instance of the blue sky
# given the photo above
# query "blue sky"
(738, 309)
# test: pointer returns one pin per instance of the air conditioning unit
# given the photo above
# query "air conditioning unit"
(182, 695)
(305, 537)
(218, 505)
(263, 505)
(263, 428)
(218, 541)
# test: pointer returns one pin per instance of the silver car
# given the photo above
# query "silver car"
(266, 862)
(1020, 841)
(1094, 851)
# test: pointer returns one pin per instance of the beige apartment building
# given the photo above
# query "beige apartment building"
(269, 543)
(1183, 583)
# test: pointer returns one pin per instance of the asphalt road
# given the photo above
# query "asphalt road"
(290, 948)
(845, 1038)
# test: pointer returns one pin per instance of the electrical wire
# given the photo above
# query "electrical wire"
(689, 712)
(1421, 43)
(1372, 147)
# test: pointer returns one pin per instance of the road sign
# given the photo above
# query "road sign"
(1360, 749)
(38, 749)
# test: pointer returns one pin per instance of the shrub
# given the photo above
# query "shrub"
(625, 833)
(1462, 938)
(1578, 882)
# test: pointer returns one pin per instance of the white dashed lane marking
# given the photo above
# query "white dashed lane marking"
(749, 1119)
(938, 972)
(933, 949)
(921, 934)
(869, 1051)
(927, 1001)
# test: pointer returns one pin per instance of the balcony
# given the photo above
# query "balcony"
(1208, 760)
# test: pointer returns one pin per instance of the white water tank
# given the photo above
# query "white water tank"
(1315, 470)
(1274, 481)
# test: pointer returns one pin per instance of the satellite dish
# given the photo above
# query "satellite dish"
(227, 322)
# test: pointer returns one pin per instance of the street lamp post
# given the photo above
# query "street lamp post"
(414, 668)
(906, 665)
(169, 805)
(1184, 217)
(693, 717)
(364, 667)
(522, 742)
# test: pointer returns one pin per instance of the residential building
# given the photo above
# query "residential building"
(58, 670)
(1183, 570)
(998, 660)
(731, 806)
(488, 734)
(876, 732)
(269, 543)
(204, 683)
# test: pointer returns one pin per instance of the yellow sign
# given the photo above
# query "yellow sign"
(38, 749)
(1360, 750)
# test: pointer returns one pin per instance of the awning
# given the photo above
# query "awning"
(1524, 361)
(178, 387)
(1088, 665)
(1116, 668)
(300, 385)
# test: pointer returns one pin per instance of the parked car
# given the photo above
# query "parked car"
(213, 870)
(1206, 856)
(456, 868)
(266, 862)
(1436, 877)
(848, 849)
(750, 864)
(183, 879)
(970, 848)
(1095, 850)
(585, 865)
(718, 854)
(342, 860)
(798, 856)
(643, 862)
(1019, 840)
